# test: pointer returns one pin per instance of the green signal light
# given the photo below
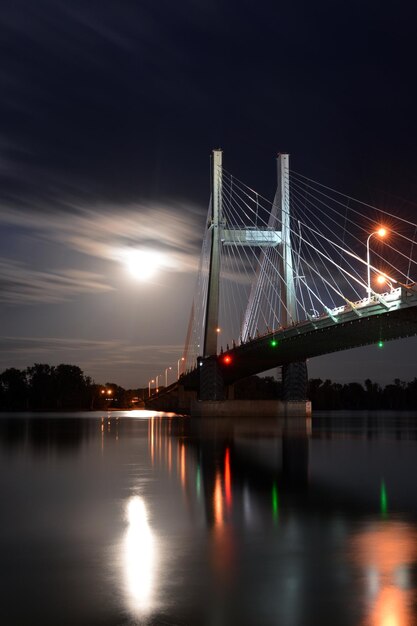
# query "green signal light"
(274, 343)
(380, 344)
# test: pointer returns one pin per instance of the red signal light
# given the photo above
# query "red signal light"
(227, 359)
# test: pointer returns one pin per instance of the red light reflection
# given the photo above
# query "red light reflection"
(227, 478)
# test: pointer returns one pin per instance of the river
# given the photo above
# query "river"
(131, 518)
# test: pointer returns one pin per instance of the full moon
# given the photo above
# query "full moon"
(143, 264)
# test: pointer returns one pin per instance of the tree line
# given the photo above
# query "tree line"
(328, 395)
(44, 387)
(63, 387)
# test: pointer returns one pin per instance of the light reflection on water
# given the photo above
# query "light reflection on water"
(140, 558)
(156, 519)
(385, 553)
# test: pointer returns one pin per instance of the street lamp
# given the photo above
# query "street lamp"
(382, 280)
(166, 375)
(178, 366)
(158, 382)
(381, 232)
(149, 387)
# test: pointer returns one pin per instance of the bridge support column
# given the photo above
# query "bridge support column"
(211, 386)
(294, 382)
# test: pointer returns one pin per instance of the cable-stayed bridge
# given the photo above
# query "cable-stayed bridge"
(310, 272)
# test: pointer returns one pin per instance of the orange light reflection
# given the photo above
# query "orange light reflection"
(182, 464)
(218, 501)
(386, 553)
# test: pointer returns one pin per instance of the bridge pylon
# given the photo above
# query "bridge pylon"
(286, 271)
(211, 384)
(212, 307)
(294, 375)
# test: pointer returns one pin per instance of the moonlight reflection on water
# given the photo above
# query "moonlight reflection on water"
(139, 557)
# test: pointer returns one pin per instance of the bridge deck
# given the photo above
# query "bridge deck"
(393, 316)
(380, 318)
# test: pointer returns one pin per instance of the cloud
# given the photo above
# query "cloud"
(21, 285)
(134, 364)
(90, 236)
(103, 231)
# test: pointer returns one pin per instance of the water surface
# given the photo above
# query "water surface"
(141, 518)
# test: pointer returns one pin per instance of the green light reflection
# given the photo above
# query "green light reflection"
(198, 481)
(383, 500)
(275, 506)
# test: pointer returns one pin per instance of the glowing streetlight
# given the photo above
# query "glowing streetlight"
(178, 366)
(382, 279)
(149, 386)
(166, 375)
(381, 232)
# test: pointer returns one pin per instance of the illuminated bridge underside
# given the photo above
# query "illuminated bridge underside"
(316, 338)
(299, 343)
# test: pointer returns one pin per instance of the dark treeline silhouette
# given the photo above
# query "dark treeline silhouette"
(44, 387)
(398, 395)
(257, 388)
(327, 395)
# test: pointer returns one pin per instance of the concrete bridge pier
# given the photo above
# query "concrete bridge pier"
(211, 384)
(294, 382)
(215, 399)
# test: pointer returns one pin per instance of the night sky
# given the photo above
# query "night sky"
(108, 114)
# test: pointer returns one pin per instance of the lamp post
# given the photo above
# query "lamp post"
(166, 375)
(158, 382)
(178, 366)
(149, 386)
(381, 232)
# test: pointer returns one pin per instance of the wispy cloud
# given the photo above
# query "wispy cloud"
(90, 234)
(103, 231)
(99, 359)
(20, 284)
